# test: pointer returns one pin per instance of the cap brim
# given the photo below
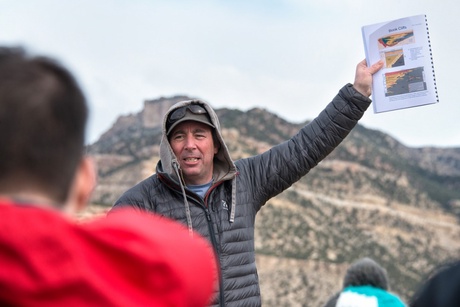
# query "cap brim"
(201, 118)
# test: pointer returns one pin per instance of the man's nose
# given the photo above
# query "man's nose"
(190, 143)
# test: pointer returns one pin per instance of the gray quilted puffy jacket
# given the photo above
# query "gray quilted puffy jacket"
(226, 215)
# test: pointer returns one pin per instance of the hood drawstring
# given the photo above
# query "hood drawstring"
(232, 212)
(187, 206)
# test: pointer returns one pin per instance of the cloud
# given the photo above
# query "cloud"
(290, 57)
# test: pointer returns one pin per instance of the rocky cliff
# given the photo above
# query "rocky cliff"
(372, 197)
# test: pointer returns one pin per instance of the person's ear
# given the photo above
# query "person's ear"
(216, 142)
(83, 185)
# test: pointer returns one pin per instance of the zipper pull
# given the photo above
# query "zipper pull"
(208, 215)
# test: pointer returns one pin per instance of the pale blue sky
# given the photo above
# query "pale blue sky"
(290, 57)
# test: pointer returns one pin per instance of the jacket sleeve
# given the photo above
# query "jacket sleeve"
(137, 197)
(277, 169)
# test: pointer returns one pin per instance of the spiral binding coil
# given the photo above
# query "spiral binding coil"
(431, 59)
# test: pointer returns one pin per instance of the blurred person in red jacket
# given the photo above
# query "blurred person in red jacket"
(49, 259)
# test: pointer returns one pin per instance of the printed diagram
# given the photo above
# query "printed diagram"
(405, 81)
(407, 78)
(394, 58)
(396, 39)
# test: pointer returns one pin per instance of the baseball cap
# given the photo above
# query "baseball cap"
(194, 112)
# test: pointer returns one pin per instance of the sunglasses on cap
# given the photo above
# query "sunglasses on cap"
(180, 113)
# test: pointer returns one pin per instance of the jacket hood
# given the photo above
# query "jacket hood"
(224, 168)
(56, 261)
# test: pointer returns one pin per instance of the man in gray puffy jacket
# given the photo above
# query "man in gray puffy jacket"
(197, 183)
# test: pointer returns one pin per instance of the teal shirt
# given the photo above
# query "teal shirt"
(367, 296)
(200, 189)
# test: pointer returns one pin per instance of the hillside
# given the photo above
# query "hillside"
(372, 196)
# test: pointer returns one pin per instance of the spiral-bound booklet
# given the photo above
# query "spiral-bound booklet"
(407, 78)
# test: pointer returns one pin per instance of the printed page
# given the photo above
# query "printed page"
(407, 78)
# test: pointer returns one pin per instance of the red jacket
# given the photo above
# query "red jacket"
(49, 260)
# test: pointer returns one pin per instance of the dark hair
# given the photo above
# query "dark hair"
(440, 288)
(43, 116)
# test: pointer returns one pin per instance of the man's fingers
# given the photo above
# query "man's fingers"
(376, 67)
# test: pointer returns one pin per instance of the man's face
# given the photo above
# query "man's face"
(194, 147)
